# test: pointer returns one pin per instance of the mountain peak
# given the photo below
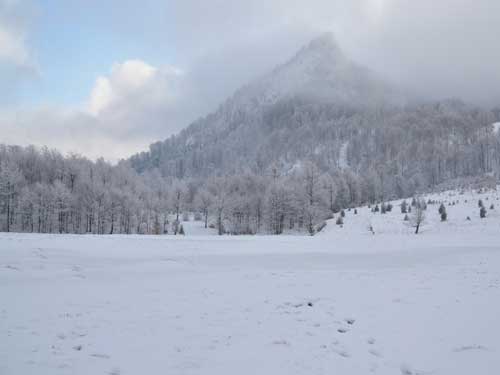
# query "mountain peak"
(323, 48)
(325, 41)
(319, 71)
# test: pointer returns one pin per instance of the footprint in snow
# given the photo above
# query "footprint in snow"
(8, 266)
(342, 353)
(375, 353)
(281, 342)
(469, 347)
(100, 355)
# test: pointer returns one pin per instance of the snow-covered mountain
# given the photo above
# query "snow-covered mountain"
(319, 71)
(321, 106)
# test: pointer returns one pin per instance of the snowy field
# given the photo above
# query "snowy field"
(343, 302)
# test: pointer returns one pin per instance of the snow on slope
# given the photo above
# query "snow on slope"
(343, 302)
(456, 225)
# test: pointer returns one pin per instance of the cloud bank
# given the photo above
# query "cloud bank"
(436, 49)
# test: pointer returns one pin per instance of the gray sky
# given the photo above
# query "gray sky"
(108, 79)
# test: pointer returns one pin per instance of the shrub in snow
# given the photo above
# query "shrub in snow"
(342, 213)
(388, 207)
(414, 202)
(370, 228)
(404, 207)
(468, 218)
(406, 218)
(355, 211)
(482, 212)
(442, 212)
(340, 221)
(376, 209)
(492, 207)
(442, 209)
(320, 227)
(181, 230)
(480, 203)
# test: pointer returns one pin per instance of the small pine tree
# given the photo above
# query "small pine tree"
(414, 202)
(355, 211)
(404, 207)
(482, 212)
(442, 209)
(383, 208)
(406, 218)
(181, 230)
(444, 216)
(388, 207)
(340, 221)
(480, 203)
(342, 213)
(376, 209)
(492, 207)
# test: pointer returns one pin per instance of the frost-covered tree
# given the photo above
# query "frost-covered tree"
(10, 186)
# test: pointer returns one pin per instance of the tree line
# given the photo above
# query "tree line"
(42, 191)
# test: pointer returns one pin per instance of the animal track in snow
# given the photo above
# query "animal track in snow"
(469, 347)
(342, 353)
(375, 353)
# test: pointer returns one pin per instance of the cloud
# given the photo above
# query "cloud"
(125, 112)
(12, 48)
(16, 60)
(128, 81)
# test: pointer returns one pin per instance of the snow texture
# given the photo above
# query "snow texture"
(343, 302)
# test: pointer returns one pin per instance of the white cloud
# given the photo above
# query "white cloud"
(12, 48)
(125, 112)
(126, 80)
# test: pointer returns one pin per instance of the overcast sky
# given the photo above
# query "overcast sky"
(106, 78)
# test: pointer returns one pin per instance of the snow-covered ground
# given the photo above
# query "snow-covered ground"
(343, 302)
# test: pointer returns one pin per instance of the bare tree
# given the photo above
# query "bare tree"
(204, 201)
(418, 215)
